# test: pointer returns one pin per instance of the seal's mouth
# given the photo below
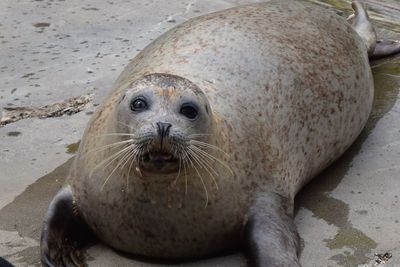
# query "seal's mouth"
(159, 157)
(160, 162)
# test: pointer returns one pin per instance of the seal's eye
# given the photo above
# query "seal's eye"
(189, 111)
(139, 104)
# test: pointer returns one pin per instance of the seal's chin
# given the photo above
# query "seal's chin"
(159, 162)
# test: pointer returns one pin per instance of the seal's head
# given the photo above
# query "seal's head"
(163, 115)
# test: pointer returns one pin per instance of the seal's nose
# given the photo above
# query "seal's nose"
(163, 129)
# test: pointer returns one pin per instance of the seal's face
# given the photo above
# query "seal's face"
(163, 115)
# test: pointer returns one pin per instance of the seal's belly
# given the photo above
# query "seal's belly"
(179, 234)
(152, 225)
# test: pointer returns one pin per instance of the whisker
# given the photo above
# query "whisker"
(206, 154)
(124, 156)
(177, 156)
(110, 158)
(134, 153)
(201, 179)
(186, 179)
(206, 160)
(197, 135)
(201, 163)
(199, 143)
(116, 144)
(118, 156)
(185, 167)
(124, 124)
(130, 168)
(141, 153)
(138, 157)
(117, 134)
(129, 156)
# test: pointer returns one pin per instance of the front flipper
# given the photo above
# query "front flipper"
(4, 263)
(64, 233)
(272, 238)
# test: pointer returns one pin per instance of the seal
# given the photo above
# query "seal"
(209, 133)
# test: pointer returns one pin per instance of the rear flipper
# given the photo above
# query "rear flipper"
(64, 233)
(362, 25)
(272, 238)
(385, 48)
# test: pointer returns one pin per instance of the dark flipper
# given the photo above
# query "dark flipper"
(362, 25)
(4, 263)
(385, 48)
(272, 238)
(64, 233)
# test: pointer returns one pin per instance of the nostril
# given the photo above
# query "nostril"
(163, 128)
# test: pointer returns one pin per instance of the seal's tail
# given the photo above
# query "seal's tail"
(362, 25)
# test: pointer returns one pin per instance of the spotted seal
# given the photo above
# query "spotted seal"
(210, 132)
